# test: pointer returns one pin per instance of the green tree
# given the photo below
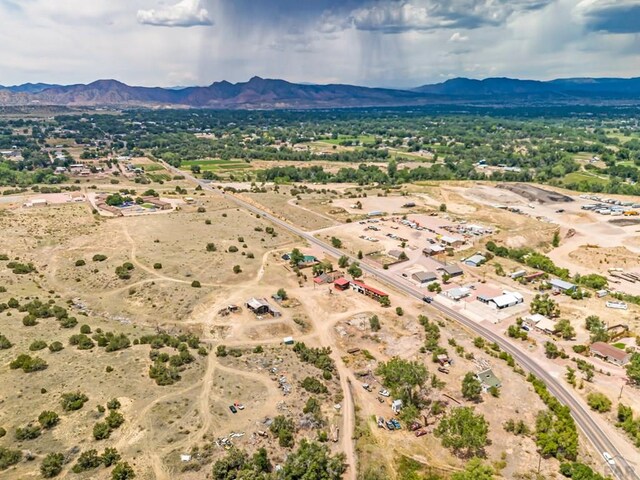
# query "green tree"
(88, 460)
(599, 402)
(109, 457)
(463, 431)
(633, 369)
(296, 257)
(565, 329)
(474, 470)
(282, 293)
(471, 387)
(556, 239)
(336, 242)
(551, 350)
(9, 457)
(403, 378)
(374, 323)
(443, 207)
(73, 401)
(343, 261)
(123, 471)
(399, 311)
(545, 305)
(51, 465)
(283, 429)
(313, 461)
(354, 270)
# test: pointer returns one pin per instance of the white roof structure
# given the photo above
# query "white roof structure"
(458, 293)
(449, 240)
(561, 284)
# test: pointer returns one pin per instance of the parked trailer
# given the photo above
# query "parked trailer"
(617, 305)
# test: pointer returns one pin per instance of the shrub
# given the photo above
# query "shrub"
(237, 269)
(82, 341)
(55, 347)
(9, 457)
(99, 257)
(37, 345)
(52, 464)
(80, 263)
(28, 432)
(313, 385)
(68, 322)
(123, 470)
(232, 249)
(114, 419)
(86, 329)
(29, 321)
(211, 247)
(157, 266)
(5, 343)
(28, 364)
(88, 460)
(101, 431)
(110, 456)
(48, 419)
(599, 402)
(73, 401)
(114, 404)
(195, 284)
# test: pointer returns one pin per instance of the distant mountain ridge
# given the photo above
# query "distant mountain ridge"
(508, 86)
(260, 93)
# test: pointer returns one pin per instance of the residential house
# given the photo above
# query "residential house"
(475, 260)
(610, 353)
(424, 277)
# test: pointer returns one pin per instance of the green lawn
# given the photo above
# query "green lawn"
(213, 165)
(620, 345)
(341, 138)
(149, 167)
(576, 177)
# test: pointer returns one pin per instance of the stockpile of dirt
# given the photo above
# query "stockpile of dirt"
(535, 194)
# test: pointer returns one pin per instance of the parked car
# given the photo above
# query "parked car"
(381, 422)
(427, 299)
(239, 406)
(420, 433)
(443, 370)
(367, 387)
(233, 409)
(381, 400)
(390, 425)
(414, 426)
(396, 424)
(384, 393)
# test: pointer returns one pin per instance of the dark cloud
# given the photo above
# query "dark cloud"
(396, 16)
(617, 16)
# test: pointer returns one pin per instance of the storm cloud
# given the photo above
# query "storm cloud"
(391, 43)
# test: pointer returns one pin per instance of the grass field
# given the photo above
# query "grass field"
(215, 164)
(575, 177)
(363, 139)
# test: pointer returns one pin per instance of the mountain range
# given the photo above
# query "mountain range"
(259, 93)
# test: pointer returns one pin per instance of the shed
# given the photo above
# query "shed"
(287, 340)
(451, 241)
(432, 250)
(395, 253)
(424, 277)
(610, 353)
(561, 285)
(396, 406)
(488, 379)
(341, 283)
(475, 260)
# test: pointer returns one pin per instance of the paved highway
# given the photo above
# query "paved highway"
(622, 470)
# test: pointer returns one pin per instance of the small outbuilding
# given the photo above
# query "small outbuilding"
(260, 306)
(562, 286)
(457, 293)
(341, 283)
(488, 379)
(432, 250)
(506, 300)
(475, 260)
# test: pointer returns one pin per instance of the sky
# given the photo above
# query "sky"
(388, 43)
